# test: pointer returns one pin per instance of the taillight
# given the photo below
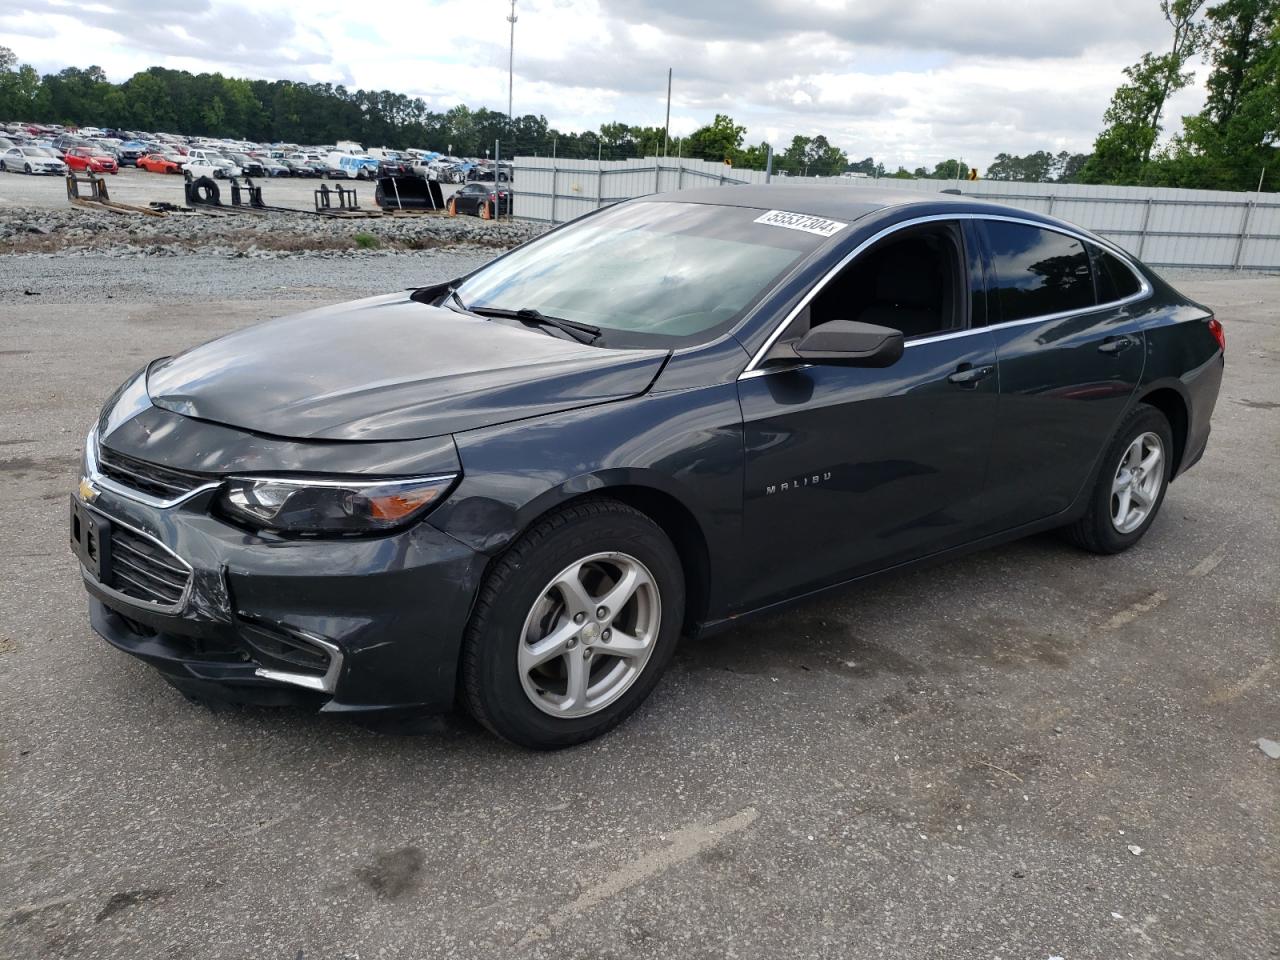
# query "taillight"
(1215, 327)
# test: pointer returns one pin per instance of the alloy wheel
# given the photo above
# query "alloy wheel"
(589, 635)
(1136, 485)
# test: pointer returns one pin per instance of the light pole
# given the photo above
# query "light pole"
(511, 64)
(666, 131)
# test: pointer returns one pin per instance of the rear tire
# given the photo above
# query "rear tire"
(541, 663)
(1130, 485)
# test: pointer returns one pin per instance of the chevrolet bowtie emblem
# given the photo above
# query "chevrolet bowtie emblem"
(88, 492)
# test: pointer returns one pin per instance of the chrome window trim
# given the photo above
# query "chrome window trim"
(174, 607)
(753, 368)
(103, 482)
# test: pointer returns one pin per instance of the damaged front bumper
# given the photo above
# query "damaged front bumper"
(365, 624)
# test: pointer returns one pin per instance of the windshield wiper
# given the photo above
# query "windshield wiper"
(582, 332)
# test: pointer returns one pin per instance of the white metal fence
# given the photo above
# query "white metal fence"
(1213, 229)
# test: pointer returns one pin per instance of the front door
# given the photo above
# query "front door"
(851, 469)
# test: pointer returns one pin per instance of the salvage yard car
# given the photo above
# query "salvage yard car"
(517, 490)
(90, 159)
(478, 199)
(157, 163)
(30, 160)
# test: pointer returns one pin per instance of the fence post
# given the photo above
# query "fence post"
(1142, 231)
(599, 184)
(657, 175)
(497, 183)
(679, 174)
(1244, 234)
(554, 189)
(1049, 212)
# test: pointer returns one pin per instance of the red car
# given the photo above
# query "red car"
(86, 158)
(156, 163)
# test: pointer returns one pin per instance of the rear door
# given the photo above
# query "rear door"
(1068, 365)
(852, 469)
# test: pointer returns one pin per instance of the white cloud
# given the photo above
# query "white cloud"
(908, 81)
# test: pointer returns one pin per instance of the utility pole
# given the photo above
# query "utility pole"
(666, 131)
(511, 65)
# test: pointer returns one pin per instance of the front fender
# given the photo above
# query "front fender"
(685, 444)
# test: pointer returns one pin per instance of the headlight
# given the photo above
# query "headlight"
(309, 507)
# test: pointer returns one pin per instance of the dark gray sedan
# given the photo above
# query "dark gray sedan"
(518, 489)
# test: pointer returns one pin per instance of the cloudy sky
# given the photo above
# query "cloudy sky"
(907, 81)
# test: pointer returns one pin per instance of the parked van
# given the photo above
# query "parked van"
(356, 166)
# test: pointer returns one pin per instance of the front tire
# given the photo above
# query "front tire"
(1130, 486)
(574, 626)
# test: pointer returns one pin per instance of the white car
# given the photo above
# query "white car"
(207, 163)
(30, 160)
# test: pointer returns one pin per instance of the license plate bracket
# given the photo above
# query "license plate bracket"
(91, 540)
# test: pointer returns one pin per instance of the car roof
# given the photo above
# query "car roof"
(849, 203)
(840, 201)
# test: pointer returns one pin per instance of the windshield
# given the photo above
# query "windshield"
(649, 273)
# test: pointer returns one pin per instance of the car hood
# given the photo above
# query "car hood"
(388, 368)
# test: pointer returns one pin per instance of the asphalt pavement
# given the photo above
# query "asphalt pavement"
(1031, 752)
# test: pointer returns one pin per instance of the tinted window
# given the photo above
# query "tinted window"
(1115, 280)
(1037, 272)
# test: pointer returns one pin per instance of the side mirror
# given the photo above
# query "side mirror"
(843, 342)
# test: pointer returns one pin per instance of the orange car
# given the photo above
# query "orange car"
(157, 163)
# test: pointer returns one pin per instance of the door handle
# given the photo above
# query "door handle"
(967, 375)
(1115, 345)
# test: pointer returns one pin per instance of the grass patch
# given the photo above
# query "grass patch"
(367, 241)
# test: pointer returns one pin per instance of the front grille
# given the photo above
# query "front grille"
(144, 570)
(150, 478)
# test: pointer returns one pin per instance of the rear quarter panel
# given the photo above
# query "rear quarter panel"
(1183, 356)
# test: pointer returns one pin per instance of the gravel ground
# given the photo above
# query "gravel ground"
(135, 186)
(1028, 753)
(39, 220)
(164, 283)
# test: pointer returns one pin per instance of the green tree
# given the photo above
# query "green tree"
(795, 159)
(949, 170)
(20, 88)
(1067, 166)
(1241, 37)
(1133, 119)
(718, 140)
(1033, 168)
(823, 159)
(1229, 143)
